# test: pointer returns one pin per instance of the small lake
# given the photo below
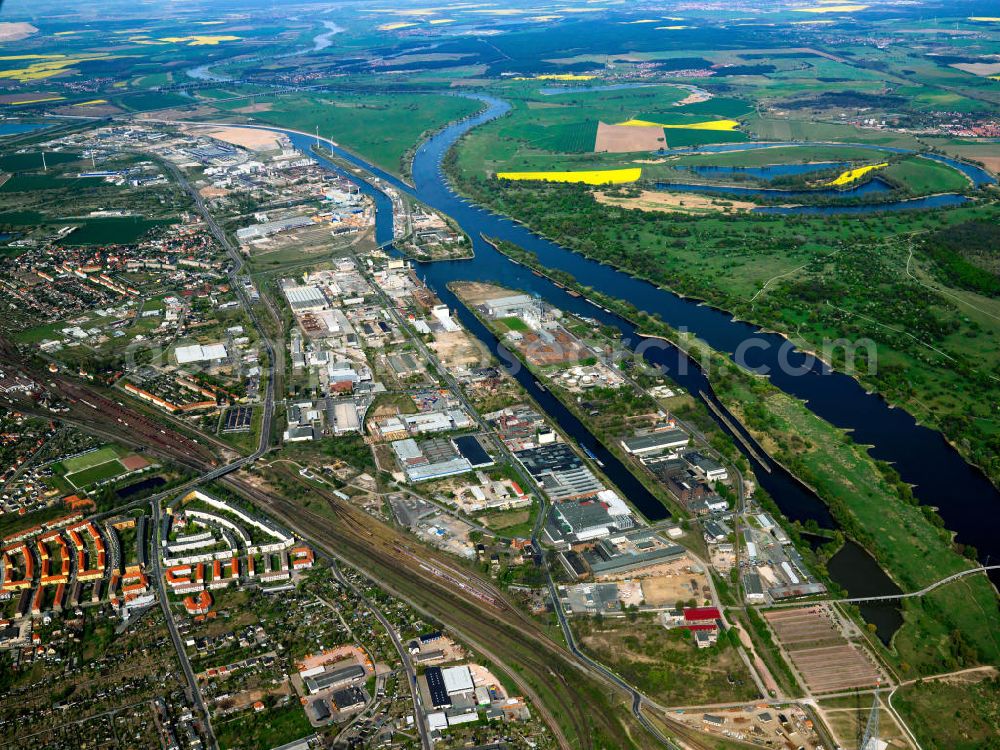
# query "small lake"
(16, 128)
(768, 172)
(874, 186)
(943, 200)
(204, 73)
(324, 40)
(858, 572)
(134, 489)
(556, 90)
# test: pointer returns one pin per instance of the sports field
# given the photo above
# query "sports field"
(96, 466)
(93, 458)
(94, 474)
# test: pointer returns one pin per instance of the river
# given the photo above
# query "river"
(966, 499)
(324, 40)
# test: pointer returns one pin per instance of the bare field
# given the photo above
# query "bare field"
(618, 139)
(255, 140)
(257, 107)
(992, 163)
(457, 349)
(819, 651)
(655, 200)
(478, 292)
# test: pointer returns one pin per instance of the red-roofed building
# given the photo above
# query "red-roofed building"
(706, 616)
(302, 557)
(198, 605)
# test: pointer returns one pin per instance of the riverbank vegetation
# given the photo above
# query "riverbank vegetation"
(817, 279)
(956, 714)
(954, 626)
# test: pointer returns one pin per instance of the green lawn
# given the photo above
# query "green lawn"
(382, 128)
(921, 176)
(94, 474)
(514, 323)
(270, 728)
(87, 460)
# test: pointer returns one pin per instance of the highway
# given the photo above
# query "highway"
(194, 692)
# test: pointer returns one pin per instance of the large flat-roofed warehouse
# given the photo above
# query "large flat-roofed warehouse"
(580, 521)
(336, 678)
(342, 416)
(457, 680)
(267, 228)
(435, 685)
(504, 307)
(630, 552)
(656, 442)
(303, 298)
(560, 472)
(473, 451)
(199, 353)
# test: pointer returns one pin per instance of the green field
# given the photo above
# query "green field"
(558, 132)
(32, 161)
(94, 474)
(514, 324)
(382, 128)
(922, 176)
(955, 715)
(87, 460)
(143, 102)
(570, 137)
(665, 663)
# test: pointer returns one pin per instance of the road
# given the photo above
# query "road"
(889, 597)
(454, 387)
(638, 699)
(194, 692)
(401, 649)
(235, 283)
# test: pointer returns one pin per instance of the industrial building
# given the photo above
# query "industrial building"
(656, 442)
(630, 552)
(200, 353)
(559, 471)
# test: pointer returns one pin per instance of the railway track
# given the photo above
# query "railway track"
(503, 634)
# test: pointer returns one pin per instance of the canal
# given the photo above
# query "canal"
(966, 499)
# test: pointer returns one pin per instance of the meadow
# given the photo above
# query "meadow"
(380, 127)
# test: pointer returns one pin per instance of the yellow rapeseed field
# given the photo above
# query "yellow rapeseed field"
(707, 125)
(589, 177)
(35, 101)
(198, 40)
(557, 77)
(48, 65)
(846, 178)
